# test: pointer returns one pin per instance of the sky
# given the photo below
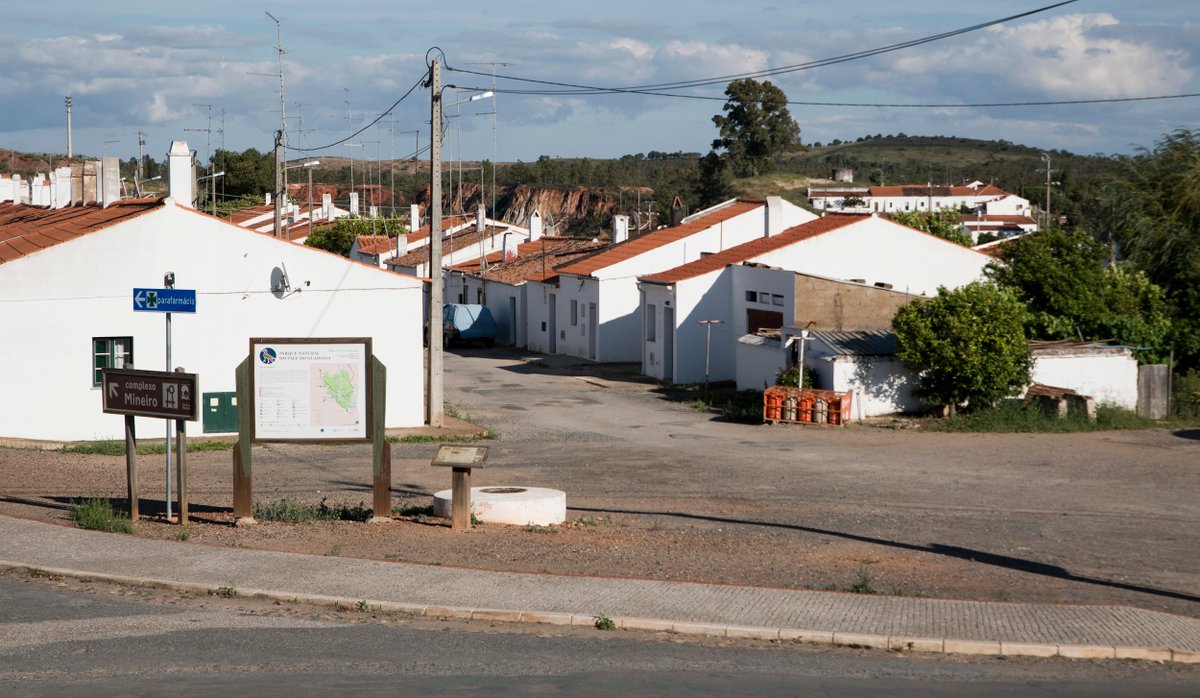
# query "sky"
(208, 73)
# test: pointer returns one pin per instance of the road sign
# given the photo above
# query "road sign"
(164, 300)
(151, 393)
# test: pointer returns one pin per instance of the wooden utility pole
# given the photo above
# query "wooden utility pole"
(434, 407)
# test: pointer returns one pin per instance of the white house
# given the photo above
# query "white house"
(593, 307)
(66, 282)
(461, 243)
(728, 286)
(296, 220)
(917, 197)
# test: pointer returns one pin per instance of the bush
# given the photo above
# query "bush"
(97, 514)
(1185, 397)
(292, 511)
(1014, 416)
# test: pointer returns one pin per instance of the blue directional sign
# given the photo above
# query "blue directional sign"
(164, 300)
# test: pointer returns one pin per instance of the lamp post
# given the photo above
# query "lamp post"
(212, 201)
(458, 115)
(308, 166)
(707, 346)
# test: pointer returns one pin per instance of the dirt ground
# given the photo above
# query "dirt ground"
(657, 490)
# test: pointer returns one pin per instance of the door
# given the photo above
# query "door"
(592, 325)
(553, 323)
(669, 344)
(220, 413)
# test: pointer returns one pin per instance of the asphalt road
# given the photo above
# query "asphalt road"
(59, 637)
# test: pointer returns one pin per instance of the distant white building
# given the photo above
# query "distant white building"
(754, 286)
(592, 308)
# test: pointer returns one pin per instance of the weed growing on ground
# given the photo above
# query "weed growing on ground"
(534, 528)
(1014, 416)
(97, 514)
(228, 591)
(183, 535)
(117, 448)
(413, 510)
(475, 520)
(586, 521)
(292, 511)
(863, 584)
(603, 622)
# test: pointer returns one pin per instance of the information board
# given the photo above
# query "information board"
(311, 389)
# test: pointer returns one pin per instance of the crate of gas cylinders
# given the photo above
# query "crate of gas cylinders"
(791, 405)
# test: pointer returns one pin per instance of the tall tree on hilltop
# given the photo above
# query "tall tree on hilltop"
(755, 127)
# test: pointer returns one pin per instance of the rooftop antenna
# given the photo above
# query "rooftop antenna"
(282, 105)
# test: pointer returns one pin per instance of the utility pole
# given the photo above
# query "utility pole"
(493, 113)
(70, 151)
(434, 407)
(278, 185)
(140, 172)
(1046, 159)
(207, 148)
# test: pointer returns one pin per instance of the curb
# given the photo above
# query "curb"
(895, 643)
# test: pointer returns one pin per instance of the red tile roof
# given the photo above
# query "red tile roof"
(376, 244)
(448, 223)
(754, 248)
(657, 238)
(250, 213)
(28, 229)
(455, 241)
(537, 259)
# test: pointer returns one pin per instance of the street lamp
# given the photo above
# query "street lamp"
(212, 209)
(707, 345)
(308, 166)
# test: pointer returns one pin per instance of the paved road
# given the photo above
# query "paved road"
(107, 641)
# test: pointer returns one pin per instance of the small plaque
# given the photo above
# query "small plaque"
(461, 456)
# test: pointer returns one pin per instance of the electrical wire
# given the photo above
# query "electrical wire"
(420, 81)
(651, 89)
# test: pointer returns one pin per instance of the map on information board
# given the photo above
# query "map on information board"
(310, 390)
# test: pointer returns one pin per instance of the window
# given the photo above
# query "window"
(480, 298)
(574, 313)
(776, 299)
(751, 297)
(110, 352)
(764, 298)
(651, 322)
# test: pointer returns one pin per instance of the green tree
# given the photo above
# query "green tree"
(755, 127)
(943, 223)
(248, 173)
(713, 184)
(966, 346)
(1070, 290)
(1156, 203)
(339, 237)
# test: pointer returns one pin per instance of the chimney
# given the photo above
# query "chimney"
(327, 206)
(179, 173)
(39, 191)
(774, 213)
(6, 190)
(354, 203)
(77, 184)
(535, 226)
(20, 190)
(480, 219)
(60, 187)
(91, 173)
(620, 228)
(510, 247)
(110, 180)
(677, 212)
(267, 199)
(414, 218)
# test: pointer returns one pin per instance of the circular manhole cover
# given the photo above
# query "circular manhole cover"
(502, 490)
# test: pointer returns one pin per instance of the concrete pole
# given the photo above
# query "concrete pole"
(434, 404)
(70, 147)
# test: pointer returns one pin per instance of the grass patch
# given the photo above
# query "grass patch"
(117, 448)
(485, 435)
(1013, 416)
(413, 510)
(97, 514)
(733, 405)
(292, 511)
(603, 622)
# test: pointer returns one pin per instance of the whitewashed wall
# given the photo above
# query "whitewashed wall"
(55, 301)
(1111, 378)
(759, 362)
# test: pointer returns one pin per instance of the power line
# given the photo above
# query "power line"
(374, 121)
(650, 89)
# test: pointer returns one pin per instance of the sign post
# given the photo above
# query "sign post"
(159, 394)
(166, 300)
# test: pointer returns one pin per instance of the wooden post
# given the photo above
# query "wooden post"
(381, 466)
(460, 499)
(181, 468)
(131, 467)
(243, 485)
